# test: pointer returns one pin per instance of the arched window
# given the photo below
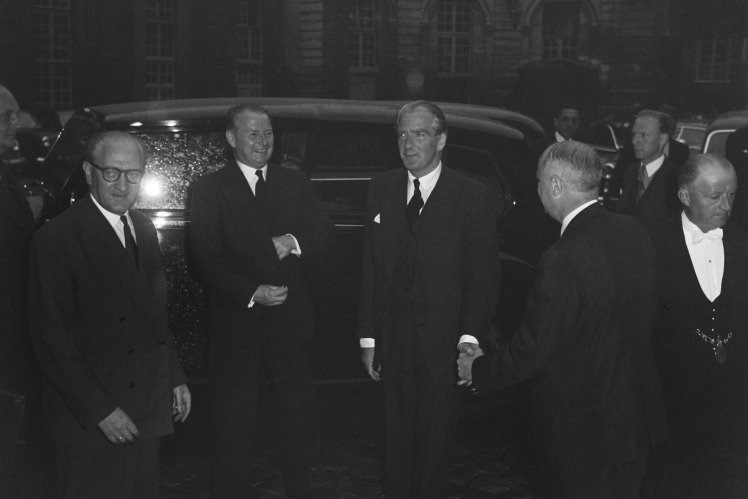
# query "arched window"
(362, 39)
(559, 29)
(249, 61)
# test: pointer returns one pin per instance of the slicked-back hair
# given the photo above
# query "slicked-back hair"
(578, 164)
(564, 106)
(98, 140)
(440, 121)
(235, 111)
(690, 170)
(664, 121)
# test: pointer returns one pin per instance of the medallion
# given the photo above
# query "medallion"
(720, 354)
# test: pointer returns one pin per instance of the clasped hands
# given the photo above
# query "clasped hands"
(468, 353)
(118, 428)
(269, 295)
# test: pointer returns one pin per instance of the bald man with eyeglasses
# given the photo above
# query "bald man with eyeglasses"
(99, 325)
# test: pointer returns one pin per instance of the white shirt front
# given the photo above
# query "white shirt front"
(561, 138)
(707, 257)
(655, 165)
(426, 185)
(568, 218)
(117, 225)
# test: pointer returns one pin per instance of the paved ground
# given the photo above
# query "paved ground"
(488, 461)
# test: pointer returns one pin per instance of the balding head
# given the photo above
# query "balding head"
(707, 187)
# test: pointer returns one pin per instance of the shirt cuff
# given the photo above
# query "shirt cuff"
(466, 338)
(252, 301)
(297, 251)
(366, 342)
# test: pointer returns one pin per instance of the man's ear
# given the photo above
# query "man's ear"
(557, 185)
(231, 138)
(664, 139)
(442, 141)
(684, 196)
(88, 169)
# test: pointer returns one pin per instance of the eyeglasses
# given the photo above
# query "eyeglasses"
(113, 174)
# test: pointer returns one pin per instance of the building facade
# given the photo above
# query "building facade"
(527, 55)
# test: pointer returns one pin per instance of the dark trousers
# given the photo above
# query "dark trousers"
(235, 382)
(123, 471)
(623, 481)
(420, 416)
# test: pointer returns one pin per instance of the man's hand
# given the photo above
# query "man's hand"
(270, 296)
(119, 428)
(465, 365)
(284, 245)
(468, 348)
(367, 356)
(182, 403)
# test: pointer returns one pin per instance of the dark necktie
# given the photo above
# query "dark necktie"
(415, 204)
(260, 190)
(642, 181)
(130, 246)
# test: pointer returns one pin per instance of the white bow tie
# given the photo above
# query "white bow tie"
(697, 236)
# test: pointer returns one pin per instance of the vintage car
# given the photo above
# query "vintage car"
(720, 128)
(340, 145)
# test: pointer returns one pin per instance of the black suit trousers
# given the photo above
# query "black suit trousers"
(421, 415)
(235, 384)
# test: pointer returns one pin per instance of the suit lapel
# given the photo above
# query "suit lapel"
(11, 202)
(109, 256)
(656, 179)
(239, 193)
(735, 262)
(391, 215)
(437, 209)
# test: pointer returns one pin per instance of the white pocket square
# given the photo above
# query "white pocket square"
(376, 219)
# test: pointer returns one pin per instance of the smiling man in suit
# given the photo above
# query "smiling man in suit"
(584, 340)
(253, 224)
(99, 324)
(430, 269)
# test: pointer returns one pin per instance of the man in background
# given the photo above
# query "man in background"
(565, 124)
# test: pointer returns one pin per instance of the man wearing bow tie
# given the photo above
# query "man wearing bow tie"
(430, 270)
(701, 338)
(650, 190)
(253, 225)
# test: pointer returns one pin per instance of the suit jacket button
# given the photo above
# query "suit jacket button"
(131, 385)
(121, 320)
(161, 342)
(131, 351)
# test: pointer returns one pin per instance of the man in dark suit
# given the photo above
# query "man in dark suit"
(650, 186)
(736, 151)
(16, 228)
(253, 224)
(565, 124)
(97, 303)
(701, 338)
(430, 268)
(584, 340)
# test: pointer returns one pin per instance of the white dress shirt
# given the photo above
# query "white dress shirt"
(707, 257)
(426, 185)
(561, 138)
(655, 165)
(568, 218)
(251, 175)
(117, 225)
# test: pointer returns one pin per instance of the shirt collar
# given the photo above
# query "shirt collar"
(655, 165)
(112, 218)
(560, 138)
(427, 181)
(250, 171)
(568, 218)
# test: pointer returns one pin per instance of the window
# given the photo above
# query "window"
(249, 64)
(560, 30)
(713, 57)
(361, 36)
(53, 54)
(453, 37)
(159, 49)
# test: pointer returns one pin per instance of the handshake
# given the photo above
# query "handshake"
(468, 353)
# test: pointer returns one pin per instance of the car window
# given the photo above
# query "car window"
(479, 165)
(715, 143)
(694, 137)
(176, 160)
